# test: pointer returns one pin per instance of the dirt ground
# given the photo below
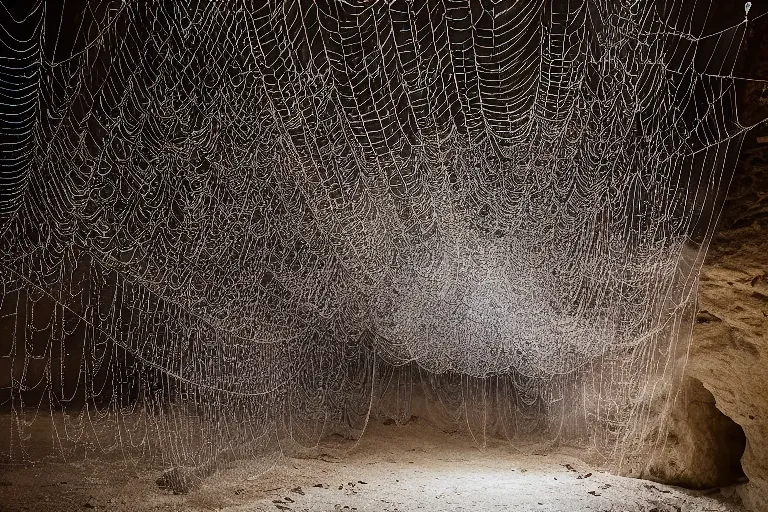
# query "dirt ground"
(392, 469)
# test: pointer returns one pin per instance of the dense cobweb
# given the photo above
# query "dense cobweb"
(247, 221)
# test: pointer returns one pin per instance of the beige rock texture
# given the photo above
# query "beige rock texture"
(724, 391)
(702, 448)
(729, 348)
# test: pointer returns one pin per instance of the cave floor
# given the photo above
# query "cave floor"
(393, 468)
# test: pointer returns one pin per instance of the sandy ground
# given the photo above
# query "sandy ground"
(407, 468)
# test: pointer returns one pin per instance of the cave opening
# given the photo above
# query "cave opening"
(703, 447)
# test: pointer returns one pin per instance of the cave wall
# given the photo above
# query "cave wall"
(729, 347)
(728, 357)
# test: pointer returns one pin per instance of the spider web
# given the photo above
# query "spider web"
(231, 224)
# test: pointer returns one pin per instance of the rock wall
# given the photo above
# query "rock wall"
(729, 349)
(728, 358)
(692, 456)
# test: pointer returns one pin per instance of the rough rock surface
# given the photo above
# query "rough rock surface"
(727, 366)
(729, 349)
(692, 456)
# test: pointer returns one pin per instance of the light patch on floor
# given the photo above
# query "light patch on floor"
(392, 469)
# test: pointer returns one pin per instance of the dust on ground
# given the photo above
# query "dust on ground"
(391, 469)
